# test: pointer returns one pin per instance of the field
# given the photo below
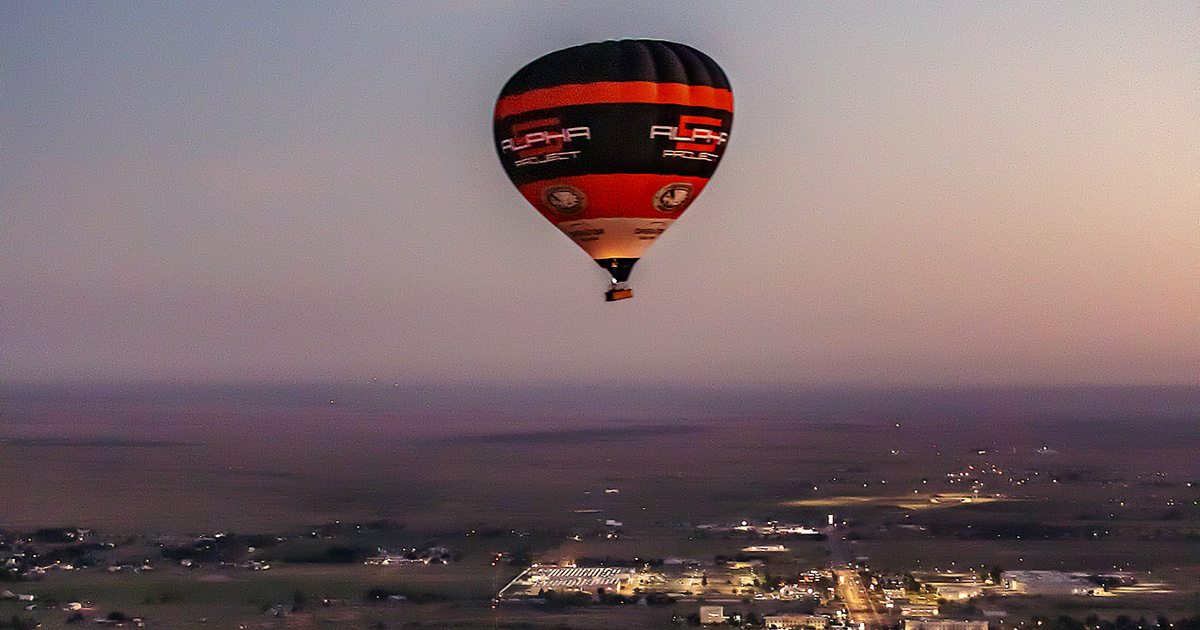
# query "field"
(1114, 491)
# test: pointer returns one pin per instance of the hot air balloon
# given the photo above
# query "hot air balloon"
(613, 141)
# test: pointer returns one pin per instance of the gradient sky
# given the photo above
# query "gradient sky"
(914, 194)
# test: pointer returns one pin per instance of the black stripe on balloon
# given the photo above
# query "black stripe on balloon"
(626, 60)
(618, 139)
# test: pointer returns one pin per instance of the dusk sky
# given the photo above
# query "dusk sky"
(913, 194)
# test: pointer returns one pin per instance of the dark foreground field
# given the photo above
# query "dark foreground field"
(1087, 480)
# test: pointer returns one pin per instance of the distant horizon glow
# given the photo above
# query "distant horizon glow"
(913, 196)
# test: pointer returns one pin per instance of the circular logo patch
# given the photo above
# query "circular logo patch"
(673, 197)
(564, 199)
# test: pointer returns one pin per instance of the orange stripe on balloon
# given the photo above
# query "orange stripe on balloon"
(615, 92)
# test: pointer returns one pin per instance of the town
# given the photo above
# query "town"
(762, 582)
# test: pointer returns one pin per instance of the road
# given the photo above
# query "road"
(850, 589)
(859, 604)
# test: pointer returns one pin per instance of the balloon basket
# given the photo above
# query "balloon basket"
(618, 293)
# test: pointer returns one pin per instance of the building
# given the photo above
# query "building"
(959, 591)
(536, 579)
(944, 624)
(790, 621)
(712, 614)
(831, 610)
(909, 608)
(893, 586)
(764, 549)
(1047, 583)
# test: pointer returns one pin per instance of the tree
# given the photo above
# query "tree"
(1066, 622)
(1190, 623)
(911, 584)
(996, 574)
(19, 623)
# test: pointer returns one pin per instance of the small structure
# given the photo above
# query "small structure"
(764, 549)
(909, 608)
(791, 621)
(712, 614)
(892, 585)
(944, 624)
(1047, 583)
(959, 591)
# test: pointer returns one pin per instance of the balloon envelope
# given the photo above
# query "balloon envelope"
(612, 141)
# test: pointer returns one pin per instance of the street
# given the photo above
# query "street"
(860, 606)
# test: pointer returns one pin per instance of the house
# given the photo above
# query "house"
(712, 614)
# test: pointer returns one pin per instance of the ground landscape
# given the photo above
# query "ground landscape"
(345, 508)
